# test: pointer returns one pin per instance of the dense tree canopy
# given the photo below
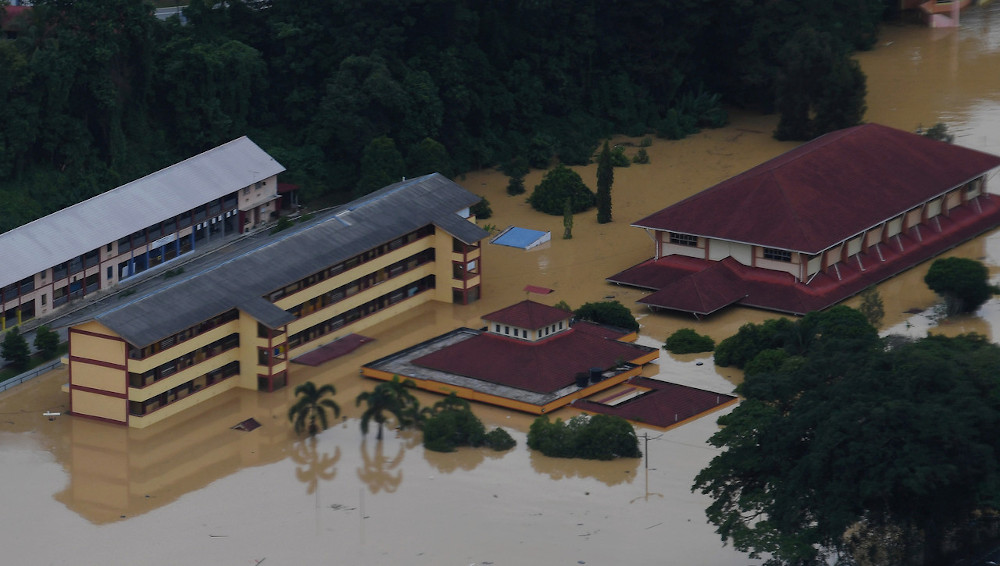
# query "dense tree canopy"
(849, 447)
(964, 283)
(98, 93)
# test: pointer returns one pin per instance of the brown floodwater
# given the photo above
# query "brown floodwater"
(192, 490)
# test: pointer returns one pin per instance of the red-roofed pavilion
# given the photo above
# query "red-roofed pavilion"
(817, 224)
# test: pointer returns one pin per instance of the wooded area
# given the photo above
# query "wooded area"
(99, 93)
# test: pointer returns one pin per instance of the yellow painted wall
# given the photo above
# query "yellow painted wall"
(247, 352)
(97, 348)
(178, 350)
(184, 376)
(99, 377)
(182, 404)
(96, 405)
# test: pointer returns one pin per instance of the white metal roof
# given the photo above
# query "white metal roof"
(90, 224)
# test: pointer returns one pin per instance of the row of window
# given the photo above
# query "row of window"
(358, 285)
(692, 241)
(175, 365)
(516, 333)
(171, 225)
(186, 334)
(347, 317)
(142, 408)
(22, 287)
(351, 263)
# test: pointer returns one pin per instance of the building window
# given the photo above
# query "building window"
(683, 239)
(111, 273)
(777, 255)
(109, 248)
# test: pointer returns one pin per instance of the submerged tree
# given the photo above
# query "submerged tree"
(872, 307)
(309, 411)
(611, 313)
(558, 185)
(605, 178)
(389, 398)
(568, 219)
(964, 283)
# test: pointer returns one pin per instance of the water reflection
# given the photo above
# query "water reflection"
(465, 458)
(614, 472)
(379, 472)
(313, 465)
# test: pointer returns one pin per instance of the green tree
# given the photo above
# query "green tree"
(46, 342)
(818, 450)
(381, 165)
(605, 178)
(481, 209)
(451, 428)
(309, 411)
(963, 283)
(611, 313)
(429, 156)
(872, 307)
(568, 219)
(687, 341)
(559, 184)
(15, 350)
(597, 437)
(937, 132)
(389, 398)
(820, 89)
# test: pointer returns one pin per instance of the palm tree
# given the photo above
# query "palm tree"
(389, 398)
(311, 407)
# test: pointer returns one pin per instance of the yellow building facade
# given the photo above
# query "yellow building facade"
(239, 324)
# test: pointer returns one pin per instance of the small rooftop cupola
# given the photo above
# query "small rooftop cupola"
(528, 321)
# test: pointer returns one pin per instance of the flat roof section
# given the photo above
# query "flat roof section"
(522, 238)
(659, 403)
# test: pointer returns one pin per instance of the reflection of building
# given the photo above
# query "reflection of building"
(237, 323)
(97, 243)
(816, 225)
(528, 358)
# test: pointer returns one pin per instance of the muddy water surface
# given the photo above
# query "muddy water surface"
(193, 491)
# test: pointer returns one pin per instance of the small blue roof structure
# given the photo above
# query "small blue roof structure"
(521, 238)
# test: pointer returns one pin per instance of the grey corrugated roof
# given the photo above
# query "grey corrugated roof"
(242, 280)
(90, 224)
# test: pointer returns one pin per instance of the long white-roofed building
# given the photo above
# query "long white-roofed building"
(97, 243)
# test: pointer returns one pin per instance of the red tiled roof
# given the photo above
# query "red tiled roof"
(541, 367)
(827, 190)
(528, 314)
(665, 405)
(695, 285)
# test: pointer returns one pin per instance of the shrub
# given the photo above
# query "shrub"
(481, 209)
(450, 428)
(618, 157)
(646, 142)
(750, 340)
(558, 185)
(15, 350)
(499, 439)
(46, 342)
(611, 313)
(687, 341)
(283, 223)
(964, 283)
(641, 157)
(597, 437)
(564, 306)
(515, 186)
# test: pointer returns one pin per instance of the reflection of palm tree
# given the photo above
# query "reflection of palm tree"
(311, 407)
(375, 471)
(389, 398)
(314, 466)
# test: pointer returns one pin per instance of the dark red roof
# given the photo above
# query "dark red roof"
(701, 286)
(541, 367)
(528, 314)
(827, 190)
(337, 348)
(666, 404)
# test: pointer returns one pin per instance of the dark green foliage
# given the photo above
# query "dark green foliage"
(820, 88)
(481, 209)
(283, 223)
(687, 341)
(641, 157)
(964, 283)
(499, 439)
(564, 306)
(309, 410)
(515, 186)
(381, 165)
(605, 179)
(568, 219)
(841, 443)
(872, 307)
(618, 157)
(597, 437)
(46, 342)
(611, 313)
(15, 350)
(937, 132)
(389, 398)
(558, 185)
(429, 156)
(515, 168)
(766, 361)
(451, 428)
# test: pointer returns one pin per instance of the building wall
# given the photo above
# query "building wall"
(98, 373)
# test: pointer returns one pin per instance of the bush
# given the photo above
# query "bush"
(611, 313)
(515, 186)
(964, 283)
(618, 157)
(558, 185)
(15, 350)
(46, 342)
(641, 157)
(598, 437)
(481, 209)
(750, 340)
(767, 361)
(687, 341)
(499, 439)
(283, 223)
(450, 428)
